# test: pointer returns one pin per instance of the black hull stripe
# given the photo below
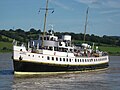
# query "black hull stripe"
(21, 66)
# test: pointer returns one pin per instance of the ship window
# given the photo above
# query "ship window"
(47, 38)
(60, 44)
(52, 58)
(91, 60)
(55, 48)
(56, 59)
(75, 60)
(60, 59)
(50, 48)
(63, 59)
(20, 49)
(39, 56)
(51, 38)
(42, 56)
(82, 60)
(48, 58)
(33, 55)
(88, 60)
(78, 60)
(67, 59)
(44, 38)
(40, 38)
(70, 60)
(28, 55)
(71, 50)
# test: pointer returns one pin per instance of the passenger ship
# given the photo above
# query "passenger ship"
(52, 54)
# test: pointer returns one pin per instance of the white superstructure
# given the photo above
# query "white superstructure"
(59, 51)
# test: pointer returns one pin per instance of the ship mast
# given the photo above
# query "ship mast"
(86, 22)
(45, 20)
(44, 28)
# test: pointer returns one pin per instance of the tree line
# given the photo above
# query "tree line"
(24, 36)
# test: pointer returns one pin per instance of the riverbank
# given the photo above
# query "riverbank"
(112, 50)
(5, 47)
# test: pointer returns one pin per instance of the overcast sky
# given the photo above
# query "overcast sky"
(69, 15)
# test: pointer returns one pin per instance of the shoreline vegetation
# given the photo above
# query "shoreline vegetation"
(110, 44)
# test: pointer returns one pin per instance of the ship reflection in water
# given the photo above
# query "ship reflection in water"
(85, 80)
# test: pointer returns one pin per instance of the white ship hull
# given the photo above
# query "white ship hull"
(25, 61)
